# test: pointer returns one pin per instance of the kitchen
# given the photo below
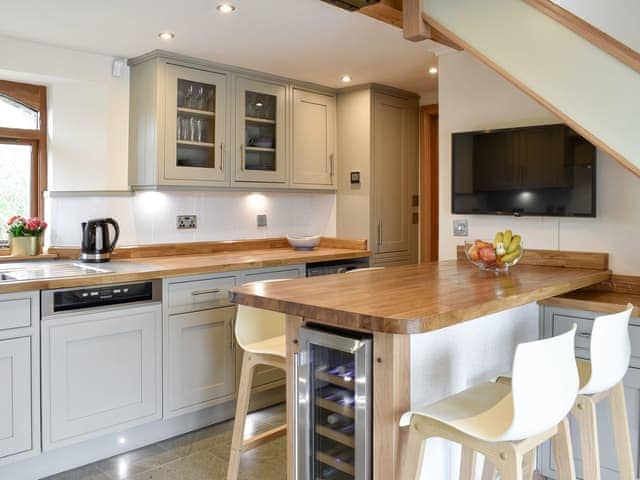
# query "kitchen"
(309, 162)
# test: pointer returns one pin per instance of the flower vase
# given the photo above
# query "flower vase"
(25, 246)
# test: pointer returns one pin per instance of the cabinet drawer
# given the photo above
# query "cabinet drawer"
(15, 313)
(284, 274)
(563, 323)
(207, 293)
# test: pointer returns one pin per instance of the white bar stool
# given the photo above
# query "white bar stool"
(506, 423)
(601, 378)
(261, 334)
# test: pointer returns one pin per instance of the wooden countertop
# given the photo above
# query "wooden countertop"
(595, 301)
(178, 265)
(415, 298)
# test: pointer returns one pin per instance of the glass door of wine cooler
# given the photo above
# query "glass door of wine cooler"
(334, 406)
(260, 131)
(195, 125)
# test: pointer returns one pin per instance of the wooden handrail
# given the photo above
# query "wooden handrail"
(597, 37)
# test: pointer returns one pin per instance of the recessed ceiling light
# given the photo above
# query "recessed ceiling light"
(226, 8)
(433, 70)
(345, 78)
(167, 35)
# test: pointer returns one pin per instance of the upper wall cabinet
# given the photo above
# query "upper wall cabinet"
(260, 131)
(195, 126)
(314, 140)
(198, 124)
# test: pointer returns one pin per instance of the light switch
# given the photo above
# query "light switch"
(261, 220)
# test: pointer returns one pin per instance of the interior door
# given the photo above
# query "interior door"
(260, 131)
(391, 167)
(195, 125)
(15, 396)
(314, 139)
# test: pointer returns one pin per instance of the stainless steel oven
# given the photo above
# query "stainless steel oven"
(333, 438)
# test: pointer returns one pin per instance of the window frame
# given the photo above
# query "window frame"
(32, 96)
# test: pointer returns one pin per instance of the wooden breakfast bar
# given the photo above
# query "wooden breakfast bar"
(412, 312)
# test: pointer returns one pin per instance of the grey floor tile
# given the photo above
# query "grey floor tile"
(89, 472)
(129, 464)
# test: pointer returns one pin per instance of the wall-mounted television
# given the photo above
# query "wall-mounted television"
(545, 170)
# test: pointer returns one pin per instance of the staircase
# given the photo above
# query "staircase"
(585, 77)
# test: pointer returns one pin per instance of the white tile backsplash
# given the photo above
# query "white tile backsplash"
(150, 217)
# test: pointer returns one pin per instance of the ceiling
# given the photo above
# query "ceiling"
(303, 39)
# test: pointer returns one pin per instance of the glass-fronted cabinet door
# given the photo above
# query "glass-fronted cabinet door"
(260, 132)
(195, 133)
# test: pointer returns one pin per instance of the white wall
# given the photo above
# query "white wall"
(473, 97)
(618, 18)
(88, 151)
(88, 112)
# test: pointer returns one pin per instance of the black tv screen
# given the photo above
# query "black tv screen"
(541, 170)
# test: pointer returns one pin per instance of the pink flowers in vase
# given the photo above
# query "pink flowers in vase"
(26, 227)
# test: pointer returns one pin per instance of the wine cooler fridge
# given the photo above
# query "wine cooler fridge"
(333, 437)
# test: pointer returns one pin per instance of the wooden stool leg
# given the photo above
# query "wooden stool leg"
(529, 465)
(563, 452)
(585, 413)
(511, 469)
(242, 407)
(621, 432)
(489, 471)
(467, 463)
(414, 453)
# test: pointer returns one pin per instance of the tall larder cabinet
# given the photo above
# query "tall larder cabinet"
(378, 172)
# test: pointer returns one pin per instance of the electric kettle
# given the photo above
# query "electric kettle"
(96, 247)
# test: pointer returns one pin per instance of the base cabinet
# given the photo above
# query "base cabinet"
(15, 396)
(101, 373)
(200, 359)
(556, 321)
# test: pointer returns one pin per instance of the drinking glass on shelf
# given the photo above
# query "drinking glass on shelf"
(179, 128)
(199, 130)
(185, 128)
(188, 100)
(192, 129)
(201, 99)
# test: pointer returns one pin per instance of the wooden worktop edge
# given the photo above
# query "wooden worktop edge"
(201, 248)
(369, 323)
(159, 271)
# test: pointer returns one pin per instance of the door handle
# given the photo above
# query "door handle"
(331, 165)
(205, 292)
(221, 156)
(242, 157)
(379, 233)
(232, 325)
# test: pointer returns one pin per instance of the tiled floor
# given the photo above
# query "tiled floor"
(200, 455)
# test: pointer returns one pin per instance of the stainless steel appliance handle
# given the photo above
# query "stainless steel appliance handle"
(221, 156)
(242, 157)
(379, 233)
(296, 435)
(205, 292)
(584, 334)
(331, 167)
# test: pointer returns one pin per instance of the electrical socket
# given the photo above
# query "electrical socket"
(461, 228)
(261, 220)
(185, 222)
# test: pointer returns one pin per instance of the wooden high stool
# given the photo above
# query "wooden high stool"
(506, 423)
(261, 334)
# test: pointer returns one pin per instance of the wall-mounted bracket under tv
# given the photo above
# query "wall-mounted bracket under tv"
(545, 170)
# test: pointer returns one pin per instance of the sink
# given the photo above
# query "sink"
(46, 270)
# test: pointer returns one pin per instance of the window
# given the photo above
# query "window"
(23, 150)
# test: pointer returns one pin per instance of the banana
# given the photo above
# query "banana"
(510, 257)
(506, 239)
(515, 243)
(497, 239)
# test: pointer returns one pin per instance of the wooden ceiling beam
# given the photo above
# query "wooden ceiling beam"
(407, 14)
